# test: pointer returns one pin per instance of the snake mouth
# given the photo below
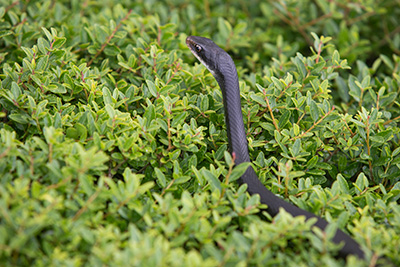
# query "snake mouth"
(190, 43)
(197, 51)
(189, 40)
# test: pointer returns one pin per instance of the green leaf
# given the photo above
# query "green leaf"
(107, 96)
(150, 115)
(20, 118)
(59, 42)
(284, 119)
(179, 120)
(211, 179)
(48, 34)
(204, 103)
(220, 152)
(387, 61)
(312, 162)
(224, 28)
(4, 33)
(152, 88)
(112, 50)
(355, 90)
(2, 12)
(110, 111)
(239, 170)
(43, 45)
(344, 187)
(336, 57)
(15, 90)
(300, 67)
(314, 111)
(295, 149)
(160, 177)
(42, 63)
(259, 99)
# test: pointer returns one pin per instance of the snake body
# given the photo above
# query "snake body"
(222, 67)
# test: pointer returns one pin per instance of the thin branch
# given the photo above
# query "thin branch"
(228, 175)
(315, 124)
(319, 52)
(11, 6)
(61, 183)
(2, 155)
(294, 22)
(109, 38)
(389, 121)
(316, 20)
(88, 202)
(270, 111)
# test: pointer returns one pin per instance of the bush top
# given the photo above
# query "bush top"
(113, 142)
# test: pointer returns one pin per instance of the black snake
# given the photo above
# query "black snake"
(222, 67)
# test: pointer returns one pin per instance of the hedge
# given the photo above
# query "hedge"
(113, 143)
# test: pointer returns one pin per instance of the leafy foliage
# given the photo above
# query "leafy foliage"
(113, 143)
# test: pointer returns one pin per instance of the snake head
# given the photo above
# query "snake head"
(208, 53)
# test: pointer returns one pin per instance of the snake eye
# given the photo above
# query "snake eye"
(198, 48)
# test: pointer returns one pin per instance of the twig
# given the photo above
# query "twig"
(270, 111)
(11, 6)
(109, 38)
(284, 90)
(165, 190)
(2, 155)
(319, 51)
(359, 18)
(61, 183)
(389, 121)
(176, 69)
(315, 124)
(295, 23)
(316, 20)
(348, 128)
(88, 202)
(229, 174)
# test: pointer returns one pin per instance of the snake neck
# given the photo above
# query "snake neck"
(229, 84)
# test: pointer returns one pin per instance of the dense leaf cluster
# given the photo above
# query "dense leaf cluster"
(113, 141)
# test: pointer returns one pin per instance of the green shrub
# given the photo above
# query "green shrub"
(113, 141)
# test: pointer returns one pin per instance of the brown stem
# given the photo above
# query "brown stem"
(229, 174)
(109, 38)
(313, 126)
(270, 111)
(61, 183)
(319, 51)
(389, 121)
(88, 202)
(11, 6)
(2, 155)
(294, 22)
